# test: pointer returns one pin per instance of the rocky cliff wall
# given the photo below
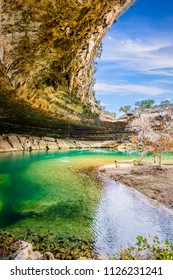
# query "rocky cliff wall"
(16, 142)
(47, 49)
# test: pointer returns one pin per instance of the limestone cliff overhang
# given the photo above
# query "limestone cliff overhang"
(47, 49)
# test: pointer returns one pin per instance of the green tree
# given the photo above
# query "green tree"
(145, 103)
(165, 103)
(125, 109)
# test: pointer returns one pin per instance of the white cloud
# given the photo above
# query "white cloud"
(137, 61)
(151, 56)
(127, 89)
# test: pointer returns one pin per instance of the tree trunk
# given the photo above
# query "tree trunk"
(160, 159)
(142, 156)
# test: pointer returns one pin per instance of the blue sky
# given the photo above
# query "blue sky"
(137, 57)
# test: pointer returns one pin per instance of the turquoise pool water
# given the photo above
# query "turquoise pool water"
(54, 200)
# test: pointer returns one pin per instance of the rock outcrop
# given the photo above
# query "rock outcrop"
(22, 250)
(15, 142)
(47, 49)
(153, 117)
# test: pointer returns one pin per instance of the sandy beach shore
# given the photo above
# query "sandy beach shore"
(151, 180)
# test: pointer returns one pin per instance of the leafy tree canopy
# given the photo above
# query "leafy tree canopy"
(165, 103)
(145, 103)
(125, 109)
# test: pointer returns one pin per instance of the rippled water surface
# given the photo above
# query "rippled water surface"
(123, 213)
(55, 201)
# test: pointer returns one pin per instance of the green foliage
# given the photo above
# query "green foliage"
(143, 250)
(125, 109)
(165, 103)
(145, 103)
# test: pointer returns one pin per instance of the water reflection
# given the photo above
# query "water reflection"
(123, 214)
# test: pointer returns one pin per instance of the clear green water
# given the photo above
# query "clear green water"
(51, 198)
(48, 196)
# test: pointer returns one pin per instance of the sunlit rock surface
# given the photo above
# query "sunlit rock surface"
(17, 142)
(24, 251)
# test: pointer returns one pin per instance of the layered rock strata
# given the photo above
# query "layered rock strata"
(13, 142)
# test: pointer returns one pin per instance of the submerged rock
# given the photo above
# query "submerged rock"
(13, 249)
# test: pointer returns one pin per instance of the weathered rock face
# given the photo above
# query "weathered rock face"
(157, 117)
(47, 50)
(15, 142)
